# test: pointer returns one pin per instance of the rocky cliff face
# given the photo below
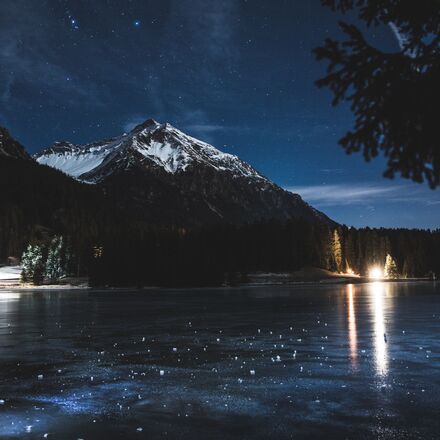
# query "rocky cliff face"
(10, 147)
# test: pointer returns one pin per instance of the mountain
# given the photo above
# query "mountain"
(168, 177)
(9, 147)
(39, 201)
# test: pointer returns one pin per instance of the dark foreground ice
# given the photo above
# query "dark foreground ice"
(334, 361)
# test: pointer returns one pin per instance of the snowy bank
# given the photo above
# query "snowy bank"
(10, 273)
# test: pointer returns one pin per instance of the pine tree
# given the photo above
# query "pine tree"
(38, 265)
(337, 250)
(33, 264)
(390, 267)
(54, 264)
(392, 95)
(26, 264)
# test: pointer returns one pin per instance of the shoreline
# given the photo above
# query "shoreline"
(363, 280)
(309, 275)
(317, 282)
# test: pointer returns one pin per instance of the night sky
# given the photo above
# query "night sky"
(238, 74)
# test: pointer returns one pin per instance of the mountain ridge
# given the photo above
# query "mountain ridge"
(164, 170)
(10, 147)
(162, 144)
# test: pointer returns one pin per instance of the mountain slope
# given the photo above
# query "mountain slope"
(9, 147)
(37, 201)
(172, 178)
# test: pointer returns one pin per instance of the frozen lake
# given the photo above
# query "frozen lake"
(331, 361)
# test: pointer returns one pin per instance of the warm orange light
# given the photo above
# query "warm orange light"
(376, 273)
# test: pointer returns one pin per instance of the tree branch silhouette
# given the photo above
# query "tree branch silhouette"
(394, 97)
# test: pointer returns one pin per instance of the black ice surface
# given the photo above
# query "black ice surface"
(333, 361)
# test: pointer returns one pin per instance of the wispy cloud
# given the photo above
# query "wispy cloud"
(132, 121)
(197, 123)
(352, 194)
(333, 170)
(193, 122)
(211, 25)
(205, 128)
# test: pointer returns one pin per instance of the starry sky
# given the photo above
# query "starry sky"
(238, 74)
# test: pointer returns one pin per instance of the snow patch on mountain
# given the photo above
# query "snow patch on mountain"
(164, 155)
(73, 164)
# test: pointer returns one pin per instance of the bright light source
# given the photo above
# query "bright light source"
(375, 272)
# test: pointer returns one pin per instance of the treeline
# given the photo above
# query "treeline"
(226, 254)
(142, 255)
(114, 246)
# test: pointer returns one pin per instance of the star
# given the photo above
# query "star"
(137, 23)
(73, 21)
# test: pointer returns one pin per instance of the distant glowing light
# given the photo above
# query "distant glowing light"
(137, 23)
(351, 272)
(376, 273)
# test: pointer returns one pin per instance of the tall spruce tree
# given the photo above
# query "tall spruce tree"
(390, 267)
(337, 251)
(55, 262)
(26, 264)
(33, 264)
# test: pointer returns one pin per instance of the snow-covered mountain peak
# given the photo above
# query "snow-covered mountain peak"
(148, 125)
(151, 143)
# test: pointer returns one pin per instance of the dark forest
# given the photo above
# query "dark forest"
(114, 247)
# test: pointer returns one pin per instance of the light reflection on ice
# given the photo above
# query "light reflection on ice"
(7, 296)
(380, 343)
(352, 331)
(8, 302)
